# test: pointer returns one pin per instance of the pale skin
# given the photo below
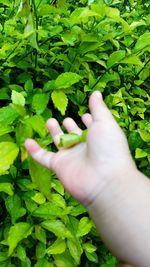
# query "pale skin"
(101, 174)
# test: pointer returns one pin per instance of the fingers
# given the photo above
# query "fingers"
(98, 108)
(39, 154)
(54, 129)
(87, 119)
(71, 126)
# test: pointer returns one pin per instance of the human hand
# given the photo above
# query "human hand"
(87, 168)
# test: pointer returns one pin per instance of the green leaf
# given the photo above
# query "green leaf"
(40, 102)
(48, 211)
(41, 177)
(13, 205)
(21, 253)
(3, 256)
(40, 234)
(6, 188)
(75, 250)
(4, 128)
(8, 151)
(17, 98)
(69, 140)
(92, 256)
(65, 80)
(16, 233)
(60, 101)
(115, 57)
(57, 227)
(144, 135)
(38, 125)
(64, 260)
(84, 227)
(58, 247)
(8, 115)
(132, 60)
(112, 12)
(143, 41)
(89, 247)
(140, 153)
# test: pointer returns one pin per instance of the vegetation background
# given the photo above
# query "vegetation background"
(53, 54)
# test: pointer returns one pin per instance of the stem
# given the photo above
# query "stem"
(36, 25)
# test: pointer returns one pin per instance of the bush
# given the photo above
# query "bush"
(53, 55)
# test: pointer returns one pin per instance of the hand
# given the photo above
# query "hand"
(87, 168)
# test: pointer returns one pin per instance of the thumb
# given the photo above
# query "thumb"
(98, 108)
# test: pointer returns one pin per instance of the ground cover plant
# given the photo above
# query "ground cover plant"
(53, 54)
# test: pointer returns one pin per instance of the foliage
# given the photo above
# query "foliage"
(53, 55)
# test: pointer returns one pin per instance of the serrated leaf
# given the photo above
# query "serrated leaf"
(41, 177)
(89, 247)
(39, 102)
(115, 57)
(57, 227)
(84, 227)
(58, 247)
(92, 256)
(65, 80)
(60, 101)
(17, 98)
(132, 60)
(6, 188)
(16, 233)
(8, 151)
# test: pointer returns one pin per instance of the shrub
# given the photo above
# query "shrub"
(53, 55)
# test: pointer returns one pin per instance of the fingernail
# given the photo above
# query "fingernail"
(98, 94)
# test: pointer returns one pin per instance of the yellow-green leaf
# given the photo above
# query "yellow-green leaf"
(6, 188)
(58, 247)
(60, 101)
(16, 233)
(17, 98)
(8, 152)
(41, 177)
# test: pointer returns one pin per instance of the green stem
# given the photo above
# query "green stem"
(36, 25)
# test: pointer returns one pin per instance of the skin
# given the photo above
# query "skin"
(117, 190)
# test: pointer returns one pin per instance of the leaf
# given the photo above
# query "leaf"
(132, 60)
(41, 177)
(57, 228)
(40, 234)
(65, 80)
(17, 98)
(4, 128)
(60, 101)
(16, 233)
(39, 102)
(64, 260)
(69, 140)
(143, 41)
(29, 31)
(6, 188)
(8, 115)
(84, 227)
(144, 135)
(92, 256)
(89, 247)
(58, 247)
(112, 12)
(38, 125)
(115, 57)
(140, 153)
(13, 205)
(75, 250)
(8, 151)
(48, 211)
